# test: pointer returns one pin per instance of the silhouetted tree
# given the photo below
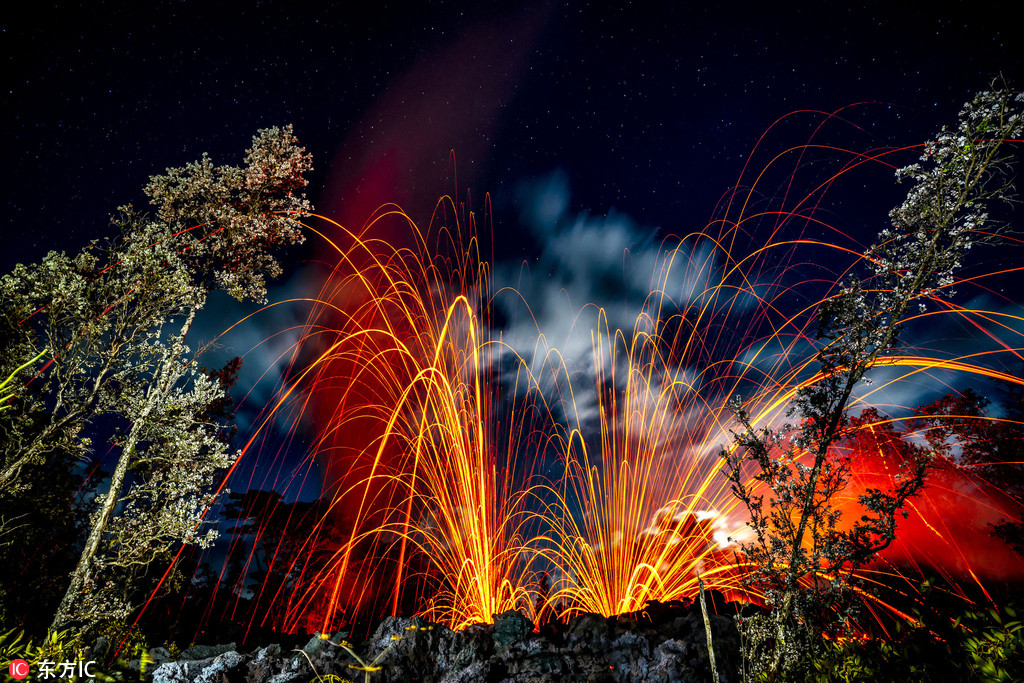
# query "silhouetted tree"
(803, 560)
(114, 320)
(987, 447)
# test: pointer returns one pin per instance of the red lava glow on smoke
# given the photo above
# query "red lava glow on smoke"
(948, 530)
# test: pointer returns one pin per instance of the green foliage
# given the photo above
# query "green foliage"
(173, 649)
(995, 646)
(57, 646)
(13, 645)
(66, 646)
(120, 635)
(979, 645)
(8, 388)
(371, 667)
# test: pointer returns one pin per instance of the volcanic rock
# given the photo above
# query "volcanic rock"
(662, 644)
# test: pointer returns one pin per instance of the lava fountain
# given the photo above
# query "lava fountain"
(431, 431)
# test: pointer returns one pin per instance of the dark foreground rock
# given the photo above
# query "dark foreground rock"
(662, 644)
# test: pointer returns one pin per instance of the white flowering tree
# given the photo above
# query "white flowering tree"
(116, 318)
(788, 478)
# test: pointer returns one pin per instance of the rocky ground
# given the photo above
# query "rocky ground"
(665, 643)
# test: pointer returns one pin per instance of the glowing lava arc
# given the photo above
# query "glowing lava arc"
(440, 509)
(433, 507)
(643, 507)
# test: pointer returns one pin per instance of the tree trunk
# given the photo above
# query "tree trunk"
(80, 576)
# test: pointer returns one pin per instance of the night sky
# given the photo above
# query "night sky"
(628, 122)
(647, 112)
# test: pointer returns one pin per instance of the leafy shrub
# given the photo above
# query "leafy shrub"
(58, 646)
(983, 645)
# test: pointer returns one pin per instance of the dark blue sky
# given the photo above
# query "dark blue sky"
(627, 121)
(647, 111)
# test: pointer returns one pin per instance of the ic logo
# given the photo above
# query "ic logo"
(19, 669)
